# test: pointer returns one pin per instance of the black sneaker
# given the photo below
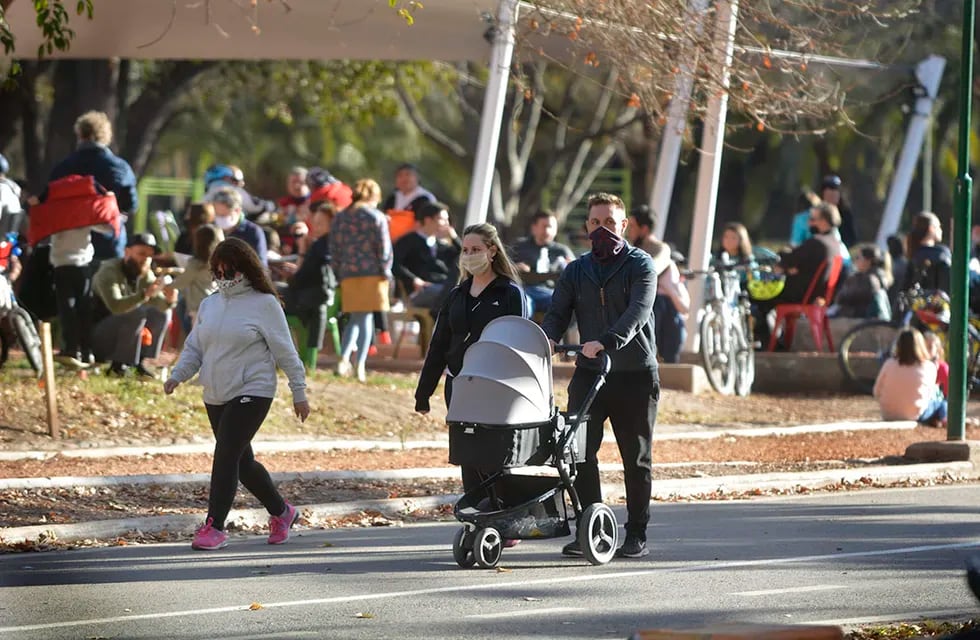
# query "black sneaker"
(572, 550)
(117, 370)
(633, 548)
(143, 372)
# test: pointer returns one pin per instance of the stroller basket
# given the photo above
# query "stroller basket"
(494, 447)
(527, 507)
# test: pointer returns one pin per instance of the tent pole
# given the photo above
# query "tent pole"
(673, 133)
(709, 167)
(493, 113)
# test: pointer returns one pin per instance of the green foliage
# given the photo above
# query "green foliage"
(52, 19)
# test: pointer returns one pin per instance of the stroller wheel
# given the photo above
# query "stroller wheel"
(462, 554)
(487, 547)
(598, 533)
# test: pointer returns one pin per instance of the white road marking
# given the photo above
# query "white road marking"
(775, 592)
(524, 612)
(596, 576)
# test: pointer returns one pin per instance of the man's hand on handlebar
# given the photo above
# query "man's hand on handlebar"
(592, 348)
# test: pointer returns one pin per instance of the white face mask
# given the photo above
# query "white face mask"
(228, 286)
(475, 263)
(225, 222)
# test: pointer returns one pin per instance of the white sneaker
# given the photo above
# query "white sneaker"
(361, 373)
(344, 368)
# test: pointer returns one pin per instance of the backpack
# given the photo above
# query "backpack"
(73, 202)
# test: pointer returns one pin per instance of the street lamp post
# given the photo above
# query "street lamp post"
(956, 429)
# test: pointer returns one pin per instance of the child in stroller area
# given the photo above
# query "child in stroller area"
(488, 289)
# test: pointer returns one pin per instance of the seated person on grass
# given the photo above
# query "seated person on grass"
(134, 308)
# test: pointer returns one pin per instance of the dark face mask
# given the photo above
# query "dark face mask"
(606, 245)
(814, 230)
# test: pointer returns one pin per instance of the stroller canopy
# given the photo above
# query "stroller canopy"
(506, 377)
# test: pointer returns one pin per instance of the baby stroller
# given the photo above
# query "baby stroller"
(502, 420)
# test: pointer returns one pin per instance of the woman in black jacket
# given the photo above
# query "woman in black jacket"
(488, 289)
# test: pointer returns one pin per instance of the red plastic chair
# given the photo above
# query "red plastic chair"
(814, 310)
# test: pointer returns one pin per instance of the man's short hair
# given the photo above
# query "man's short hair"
(541, 215)
(94, 126)
(227, 196)
(407, 166)
(643, 216)
(612, 200)
(829, 213)
(429, 210)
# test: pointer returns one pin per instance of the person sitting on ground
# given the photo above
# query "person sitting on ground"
(223, 176)
(934, 345)
(135, 308)
(229, 218)
(906, 386)
(196, 283)
(802, 264)
(312, 285)
(930, 261)
(541, 260)
(420, 265)
(673, 302)
(864, 294)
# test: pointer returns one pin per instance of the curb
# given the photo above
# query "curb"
(663, 489)
(278, 446)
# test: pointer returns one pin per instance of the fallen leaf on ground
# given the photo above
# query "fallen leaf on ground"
(255, 606)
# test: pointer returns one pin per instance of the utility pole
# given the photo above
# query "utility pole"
(956, 429)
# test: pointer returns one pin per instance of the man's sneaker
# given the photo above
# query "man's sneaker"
(632, 548)
(279, 525)
(142, 371)
(117, 369)
(572, 550)
(207, 538)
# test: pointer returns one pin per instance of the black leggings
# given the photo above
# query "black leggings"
(470, 476)
(234, 424)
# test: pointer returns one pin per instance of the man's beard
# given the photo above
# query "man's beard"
(133, 269)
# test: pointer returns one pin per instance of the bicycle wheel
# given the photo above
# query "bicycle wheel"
(744, 356)
(716, 354)
(863, 350)
(26, 332)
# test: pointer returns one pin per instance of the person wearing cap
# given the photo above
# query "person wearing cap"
(224, 176)
(673, 302)
(228, 217)
(131, 303)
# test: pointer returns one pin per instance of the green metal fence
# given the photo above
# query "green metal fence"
(174, 187)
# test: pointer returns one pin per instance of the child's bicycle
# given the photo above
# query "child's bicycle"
(866, 347)
(20, 319)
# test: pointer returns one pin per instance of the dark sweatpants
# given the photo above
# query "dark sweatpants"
(234, 425)
(629, 399)
(73, 293)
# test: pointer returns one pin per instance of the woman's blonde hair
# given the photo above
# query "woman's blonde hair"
(366, 190)
(94, 126)
(501, 262)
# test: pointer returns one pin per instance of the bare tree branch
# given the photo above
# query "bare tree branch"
(431, 132)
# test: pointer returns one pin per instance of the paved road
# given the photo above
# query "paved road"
(846, 558)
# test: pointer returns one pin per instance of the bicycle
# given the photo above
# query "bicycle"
(865, 348)
(726, 330)
(25, 328)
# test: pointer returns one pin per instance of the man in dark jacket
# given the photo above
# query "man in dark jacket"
(540, 259)
(230, 218)
(426, 260)
(611, 292)
(93, 158)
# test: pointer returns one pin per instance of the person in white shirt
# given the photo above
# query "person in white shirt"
(241, 336)
(11, 208)
(906, 386)
(408, 194)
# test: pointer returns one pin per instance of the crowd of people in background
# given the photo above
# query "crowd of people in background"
(353, 251)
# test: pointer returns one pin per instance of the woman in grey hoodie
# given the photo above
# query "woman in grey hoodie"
(240, 338)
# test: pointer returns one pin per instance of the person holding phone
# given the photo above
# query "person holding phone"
(240, 338)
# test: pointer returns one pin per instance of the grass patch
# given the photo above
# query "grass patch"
(906, 630)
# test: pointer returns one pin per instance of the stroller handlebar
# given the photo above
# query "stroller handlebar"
(605, 360)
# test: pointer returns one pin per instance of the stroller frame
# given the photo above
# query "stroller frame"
(541, 512)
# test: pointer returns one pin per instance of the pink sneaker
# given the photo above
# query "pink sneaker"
(279, 525)
(207, 538)
(510, 543)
